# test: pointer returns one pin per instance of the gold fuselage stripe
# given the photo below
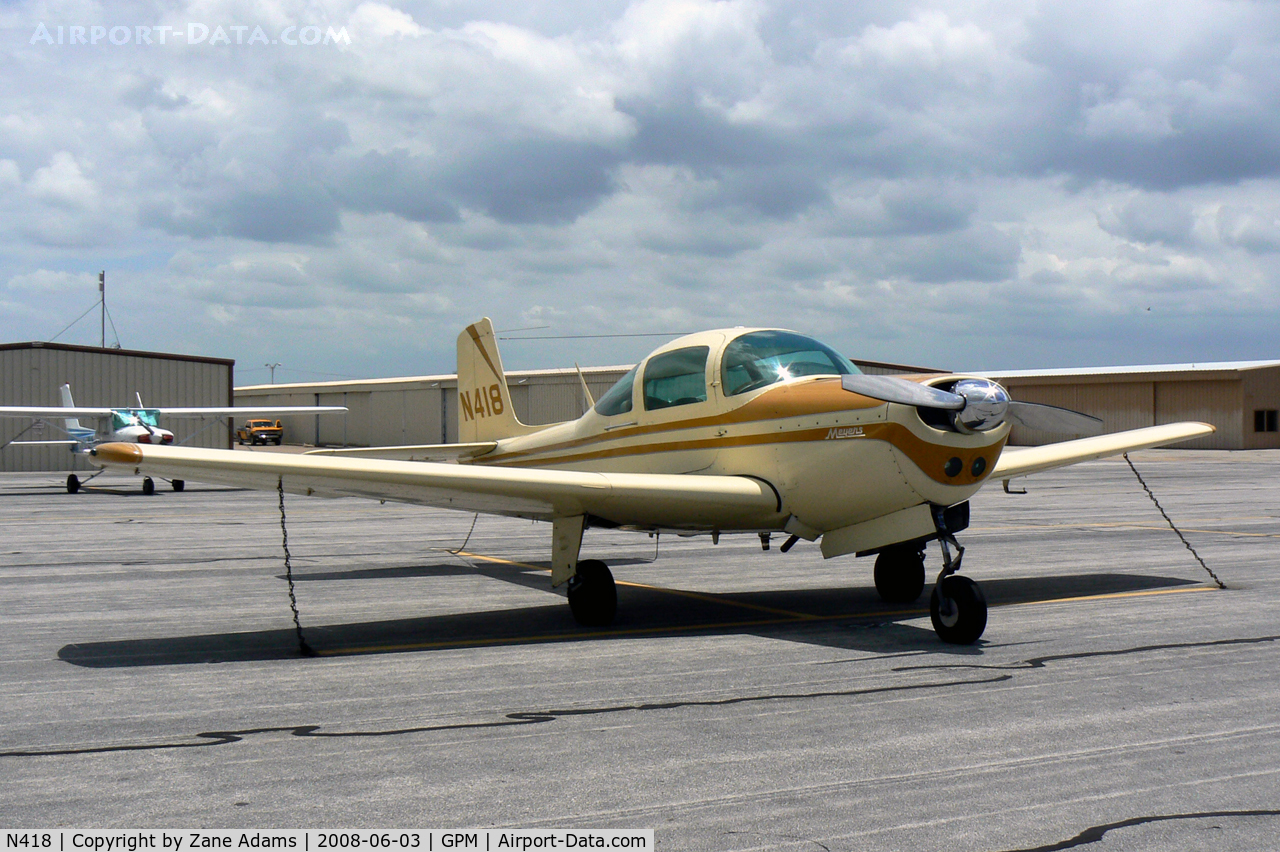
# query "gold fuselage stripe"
(769, 410)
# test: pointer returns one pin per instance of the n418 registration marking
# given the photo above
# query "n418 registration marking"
(482, 402)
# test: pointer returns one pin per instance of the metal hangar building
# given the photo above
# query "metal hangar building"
(32, 373)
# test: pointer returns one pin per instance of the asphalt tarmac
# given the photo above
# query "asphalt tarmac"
(742, 700)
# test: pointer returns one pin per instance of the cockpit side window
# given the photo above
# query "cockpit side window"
(617, 399)
(678, 377)
(762, 358)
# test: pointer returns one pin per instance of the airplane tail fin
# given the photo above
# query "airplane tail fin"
(485, 412)
(71, 424)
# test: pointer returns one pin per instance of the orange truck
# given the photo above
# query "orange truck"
(261, 432)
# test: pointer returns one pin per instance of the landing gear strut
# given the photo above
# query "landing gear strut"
(899, 573)
(957, 606)
(593, 597)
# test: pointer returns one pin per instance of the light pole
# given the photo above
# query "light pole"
(272, 368)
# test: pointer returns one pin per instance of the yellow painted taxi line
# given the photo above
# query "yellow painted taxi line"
(1205, 587)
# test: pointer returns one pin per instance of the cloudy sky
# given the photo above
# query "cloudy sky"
(965, 185)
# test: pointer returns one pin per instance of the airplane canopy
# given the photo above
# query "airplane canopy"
(742, 359)
(758, 359)
(123, 417)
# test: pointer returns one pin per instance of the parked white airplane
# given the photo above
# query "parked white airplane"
(760, 431)
(132, 425)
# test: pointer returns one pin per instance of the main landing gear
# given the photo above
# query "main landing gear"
(593, 597)
(899, 573)
(148, 484)
(957, 606)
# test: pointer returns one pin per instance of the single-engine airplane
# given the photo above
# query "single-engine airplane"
(742, 430)
(131, 425)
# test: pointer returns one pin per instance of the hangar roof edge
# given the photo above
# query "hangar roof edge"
(98, 350)
(1195, 367)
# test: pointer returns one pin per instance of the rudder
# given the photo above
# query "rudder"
(485, 412)
(71, 424)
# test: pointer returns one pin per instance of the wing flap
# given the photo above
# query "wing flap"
(1021, 461)
(658, 500)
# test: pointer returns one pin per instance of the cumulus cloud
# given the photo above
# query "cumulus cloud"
(869, 172)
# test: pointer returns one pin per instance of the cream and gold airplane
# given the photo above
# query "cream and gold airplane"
(758, 431)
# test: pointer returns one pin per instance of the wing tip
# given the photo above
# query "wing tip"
(117, 452)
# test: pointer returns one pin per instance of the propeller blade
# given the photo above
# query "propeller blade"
(1050, 418)
(890, 389)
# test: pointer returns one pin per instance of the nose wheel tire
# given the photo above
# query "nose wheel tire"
(148, 486)
(593, 597)
(899, 574)
(958, 610)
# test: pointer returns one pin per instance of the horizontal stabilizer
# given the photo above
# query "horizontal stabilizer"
(65, 442)
(412, 452)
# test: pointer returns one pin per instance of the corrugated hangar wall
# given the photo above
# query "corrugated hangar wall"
(32, 373)
(1229, 396)
(420, 409)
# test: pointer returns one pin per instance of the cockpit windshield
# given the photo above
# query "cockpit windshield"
(120, 418)
(617, 399)
(762, 358)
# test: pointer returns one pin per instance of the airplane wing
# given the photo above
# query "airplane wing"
(37, 412)
(1021, 461)
(648, 500)
(250, 411)
(412, 452)
(255, 411)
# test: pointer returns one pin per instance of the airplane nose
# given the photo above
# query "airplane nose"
(973, 405)
(986, 405)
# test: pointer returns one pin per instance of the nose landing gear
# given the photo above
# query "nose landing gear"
(957, 607)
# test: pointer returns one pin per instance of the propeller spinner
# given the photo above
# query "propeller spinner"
(976, 405)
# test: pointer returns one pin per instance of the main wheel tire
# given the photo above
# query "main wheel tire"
(593, 597)
(958, 610)
(178, 484)
(148, 486)
(899, 574)
(73, 483)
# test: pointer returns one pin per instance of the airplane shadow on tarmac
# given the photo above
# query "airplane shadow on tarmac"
(850, 618)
